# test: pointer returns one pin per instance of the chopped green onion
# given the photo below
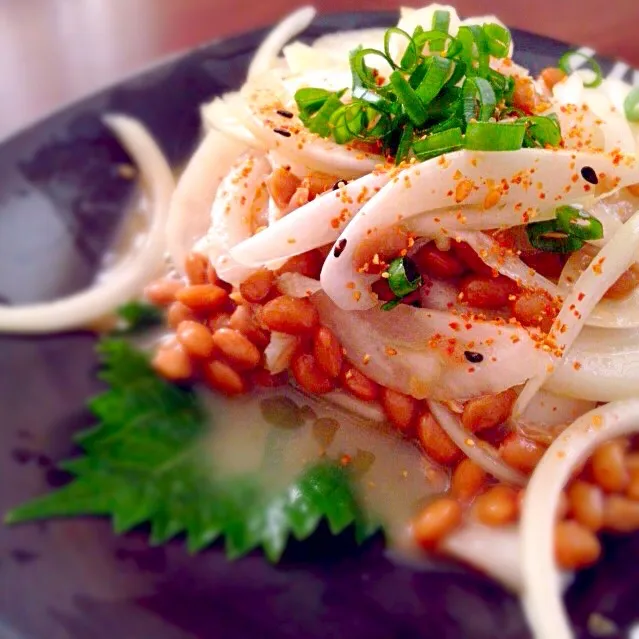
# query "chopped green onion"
(445, 104)
(438, 144)
(498, 40)
(631, 105)
(481, 47)
(404, 142)
(413, 106)
(310, 100)
(437, 74)
(494, 136)
(478, 99)
(441, 22)
(453, 122)
(578, 223)
(541, 131)
(361, 71)
(377, 101)
(348, 121)
(319, 123)
(389, 306)
(403, 277)
(418, 74)
(565, 64)
(410, 59)
(545, 237)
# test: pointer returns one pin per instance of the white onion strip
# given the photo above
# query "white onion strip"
(125, 282)
(508, 264)
(315, 224)
(542, 588)
(288, 28)
(481, 453)
(189, 212)
(613, 259)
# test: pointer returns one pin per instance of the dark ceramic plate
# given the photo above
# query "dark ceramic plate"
(60, 202)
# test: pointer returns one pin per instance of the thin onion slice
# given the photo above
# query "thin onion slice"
(297, 285)
(189, 212)
(494, 551)
(481, 453)
(126, 281)
(537, 180)
(270, 48)
(315, 224)
(601, 274)
(542, 585)
(506, 262)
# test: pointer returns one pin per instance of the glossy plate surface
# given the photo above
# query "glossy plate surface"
(61, 198)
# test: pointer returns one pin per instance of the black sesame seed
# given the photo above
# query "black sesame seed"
(341, 245)
(473, 358)
(588, 174)
(284, 132)
(284, 113)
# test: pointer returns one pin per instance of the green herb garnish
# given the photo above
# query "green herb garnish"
(565, 64)
(440, 83)
(566, 233)
(631, 105)
(143, 462)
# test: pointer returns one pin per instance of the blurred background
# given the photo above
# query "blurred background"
(54, 51)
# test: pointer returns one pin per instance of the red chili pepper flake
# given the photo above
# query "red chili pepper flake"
(455, 326)
(581, 296)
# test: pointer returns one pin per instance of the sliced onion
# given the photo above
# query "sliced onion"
(602, 365)
(227, 114)
(548, 414)
(494, 551)
(542, 588)
(284, 31)
(315, 224)
(264, 98)
(408, 349)
(297, 285)
(600, 275)
(506, 263)
(279, 351)
(239, 201)
(127, 280)
(466, 178)
(448, 222)
(480, 452)
(371, 411)
(189, 212)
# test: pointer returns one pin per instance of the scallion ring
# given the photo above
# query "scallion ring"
(437, 75)
(410, 59)
(389, 306)
(494, 136)
(541, 131)
(438, 143)
(578, 223)
(565, 64)
(359, 68)
(631, 105)
(498, 40)
(309, 100)
(441, 22)
(545, 237)
(405, 142)
(403, 277)
(478, 99)
(413, 106)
